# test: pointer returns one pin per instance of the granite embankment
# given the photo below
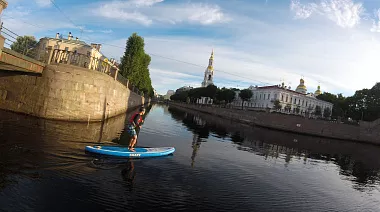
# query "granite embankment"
(295, 124)
(65, 92)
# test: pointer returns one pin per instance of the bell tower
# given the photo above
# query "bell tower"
(209, 73)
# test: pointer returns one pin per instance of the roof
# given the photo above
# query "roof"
(287, 90)
(72, 41)
(281, 88)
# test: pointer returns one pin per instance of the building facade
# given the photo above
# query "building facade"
(169, 94)
(209, 73)
(91, 52)
(295, 102)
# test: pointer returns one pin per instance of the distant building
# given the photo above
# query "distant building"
(184, 88)
(290, 101)
(209, 73)
(155, 94)
(169, 94)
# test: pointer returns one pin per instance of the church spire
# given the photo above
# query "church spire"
(209, 73)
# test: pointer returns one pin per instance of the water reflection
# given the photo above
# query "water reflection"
(358, 163)
(129, 174)
(29, 145)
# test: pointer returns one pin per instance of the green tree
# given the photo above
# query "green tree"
(318, 110)
(288, 107)
(340, 105)
(135, 64)
(298, 109)
(277, 105)
(225, 95)
(327, 112)
(25, 45)
(210, 91)
(245, 95)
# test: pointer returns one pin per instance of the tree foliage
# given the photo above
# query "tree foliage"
(277, 105)
(25, 45)
(135, 64)
(225, 95)
(327, 112)
(318, 110)
(340, 107)
(245, 95)
(221, 95)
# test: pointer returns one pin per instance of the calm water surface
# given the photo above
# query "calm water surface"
(218, 165)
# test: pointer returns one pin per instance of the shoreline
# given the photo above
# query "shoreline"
(285, 123)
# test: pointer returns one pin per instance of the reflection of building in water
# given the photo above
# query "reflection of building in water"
(199, 121)
(196, 144)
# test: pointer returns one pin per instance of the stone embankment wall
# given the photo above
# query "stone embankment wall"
(292, 123)
(65, 92)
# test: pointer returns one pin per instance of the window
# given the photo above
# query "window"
(303, 101)
(209, 77)
(55, 46)
(268, 96)
(66, 48)
(299, 101)
(291, 99)
(282, 97)
(306, 103)
(295, 101)
(275, 96)
(286, 98)
(264, 96)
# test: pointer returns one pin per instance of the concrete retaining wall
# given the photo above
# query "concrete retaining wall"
(66, 92)
(293, 123)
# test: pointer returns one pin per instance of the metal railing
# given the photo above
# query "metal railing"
(58, 56)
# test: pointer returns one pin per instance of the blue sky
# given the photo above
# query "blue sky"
(334, 43)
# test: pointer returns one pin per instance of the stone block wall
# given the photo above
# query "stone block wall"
(65, 92)
(293, 123)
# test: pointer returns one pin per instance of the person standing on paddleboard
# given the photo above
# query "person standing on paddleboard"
(135, 123)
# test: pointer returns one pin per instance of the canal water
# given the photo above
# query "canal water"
(218, 165)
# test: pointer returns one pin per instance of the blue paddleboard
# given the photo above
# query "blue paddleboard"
(122, 151)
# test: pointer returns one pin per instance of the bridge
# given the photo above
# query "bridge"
(13, 61)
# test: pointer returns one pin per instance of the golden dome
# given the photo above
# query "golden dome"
(302, 81)
(318, 91)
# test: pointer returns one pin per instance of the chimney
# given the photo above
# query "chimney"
(57, 35)
(69, 38)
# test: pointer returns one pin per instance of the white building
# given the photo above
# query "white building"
(169, 94)
(209, 73)
(290, 101)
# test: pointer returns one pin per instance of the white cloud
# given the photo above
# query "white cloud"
(43, 3)
(345, 13)
(147, 12)
(376, 22)
(142, 3)
(108, 31)
(115, 10)
(301, 11)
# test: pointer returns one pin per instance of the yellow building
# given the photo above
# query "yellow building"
(71, 46)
